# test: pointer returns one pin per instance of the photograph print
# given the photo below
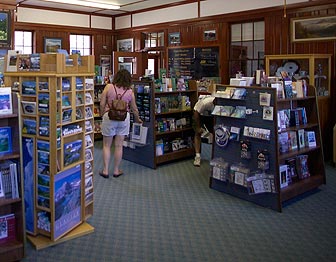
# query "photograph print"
(67, 200)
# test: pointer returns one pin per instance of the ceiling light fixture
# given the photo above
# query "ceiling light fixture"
(86, 3)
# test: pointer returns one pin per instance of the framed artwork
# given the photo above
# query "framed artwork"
(51, 45)
(125, 45)
(127, 66)
(105, 63)
(5, 27)
(209, 35)
(313, 29)
(174, 38)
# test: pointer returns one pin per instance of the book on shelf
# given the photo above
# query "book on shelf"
(88, 112)
(6, 107)
(10, 179)
(65, 101)
(301, 138)
(5, 140)
(88, 98)
(44, 126)
(88, 154)
(88, 141)
(35, 62)
(89, 84)
(14, 180)
(310, 139)
(283, 175)
(72, 152)
(8, 229)
(28, 87)
(79, 99)
(24, 62)
(43, 103)
(2, 190)
(88, 126)
(66, 85)
(66, 115)
(29, 126)
(96, 110)
(302, 166)
(29, 107)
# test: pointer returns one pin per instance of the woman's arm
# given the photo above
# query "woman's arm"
(103, 100)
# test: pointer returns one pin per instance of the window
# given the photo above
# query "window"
(81, 43)
(247, 48)
(23, 41)
(154, 39)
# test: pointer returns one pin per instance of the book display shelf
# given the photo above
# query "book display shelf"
(266, 149)
(167, 118)
(57, 142)
(12, 237)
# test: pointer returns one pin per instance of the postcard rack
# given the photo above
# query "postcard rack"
(57, 124)
(260, 156)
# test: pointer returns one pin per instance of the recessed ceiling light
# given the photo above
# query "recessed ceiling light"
(86, 3)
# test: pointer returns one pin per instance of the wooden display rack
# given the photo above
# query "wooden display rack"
(57, 119)
(41, 242)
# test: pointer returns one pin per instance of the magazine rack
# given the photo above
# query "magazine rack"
(57, 136)
(259, 153)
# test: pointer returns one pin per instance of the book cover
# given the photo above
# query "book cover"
(2, 190)
(44, 126)
(79, 99)
(89, 84)
(6, 179)
(88, 99)
(5, 140)
(66, 85)
(28, 107)
(7, 228)
(67, 200)
(293, 140)
(72, 152)
(14, 179)
(88, 141)
(66, 115)
(29, 126)
(35, 64)
(283, 175)
(88, 113)
(6, 107)
(302, 166)
(79, 83)
(29, 87)
(24, 62)
(43, 86)
(65, 101)
(12, 60)
(310, 139)
(88, 155)
(301, 138)
(292, 172)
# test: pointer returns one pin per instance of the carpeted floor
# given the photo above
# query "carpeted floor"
(171, 214)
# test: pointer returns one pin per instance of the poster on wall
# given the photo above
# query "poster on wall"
(28, 159)
(67, 198)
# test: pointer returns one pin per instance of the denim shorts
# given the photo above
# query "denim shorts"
(112, 128)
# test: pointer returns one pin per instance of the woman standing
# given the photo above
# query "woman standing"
(118, 129)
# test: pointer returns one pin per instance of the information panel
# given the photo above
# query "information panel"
(193, 62)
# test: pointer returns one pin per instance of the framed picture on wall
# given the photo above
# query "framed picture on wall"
(105, 63)
(174, 38)
(127, 66)
(51, 45)
(5, 28)
(313, 29)
(209, 35)
(125, 45)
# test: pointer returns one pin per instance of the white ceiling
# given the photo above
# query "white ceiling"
(125, 5)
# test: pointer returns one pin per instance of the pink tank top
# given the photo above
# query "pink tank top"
(112, 95)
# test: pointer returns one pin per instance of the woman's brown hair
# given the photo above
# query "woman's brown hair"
(123, 79)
